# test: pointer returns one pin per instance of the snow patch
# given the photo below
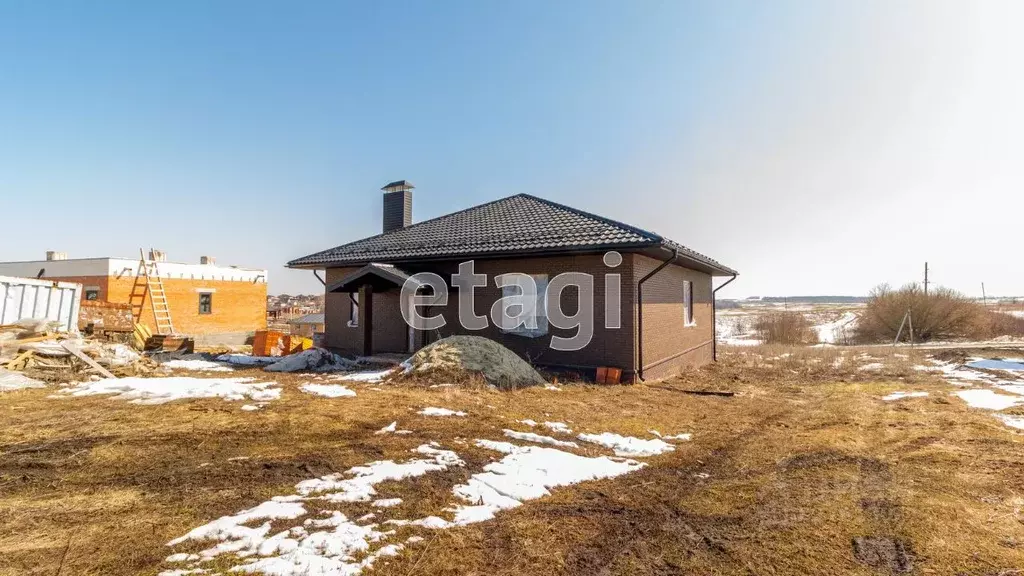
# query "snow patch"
(327, 390)
(558, 427)
(539, 439)
(16, 381)
(988, 399)
(161, 390)
(432, 411)
(901, 395)
(628, 445)
(371, 376)
(197, 365)
(526, 473)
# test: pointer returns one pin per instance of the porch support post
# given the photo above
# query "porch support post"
(366, 317)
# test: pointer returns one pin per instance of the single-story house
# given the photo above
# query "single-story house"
(665, 320)
(307, 325)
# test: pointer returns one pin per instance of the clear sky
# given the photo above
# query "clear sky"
(818, 147)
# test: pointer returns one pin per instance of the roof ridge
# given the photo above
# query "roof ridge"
(654, 237)
(409, 227)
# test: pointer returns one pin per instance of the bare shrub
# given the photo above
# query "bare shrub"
(941, 314)
(785, 328)
(1002, 324)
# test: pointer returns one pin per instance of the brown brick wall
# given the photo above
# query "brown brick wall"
(609, 347)
(665, 333)
(238, 307)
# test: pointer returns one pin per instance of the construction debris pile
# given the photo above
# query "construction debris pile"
(32, 352)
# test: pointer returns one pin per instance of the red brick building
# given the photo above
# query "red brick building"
(666, 294)
(216, 303)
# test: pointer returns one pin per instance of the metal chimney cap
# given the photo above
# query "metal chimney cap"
(398, 186)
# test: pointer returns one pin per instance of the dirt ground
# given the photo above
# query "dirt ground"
(804, 471)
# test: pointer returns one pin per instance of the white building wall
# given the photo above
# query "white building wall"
(121, 267)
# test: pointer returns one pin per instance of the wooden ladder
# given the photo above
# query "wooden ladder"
(157, 294)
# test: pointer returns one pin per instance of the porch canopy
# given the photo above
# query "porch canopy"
(374, 277)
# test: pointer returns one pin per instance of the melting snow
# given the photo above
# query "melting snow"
(1013, 421)
(387, 502)
(528, 422)
(160, 390)
(526, 473)
(901, 395)
(628, 445)
(558, 427)
(988, 399)
(200, 365)
(374, 376)
(327, 390)
(359, 487)
(686, 436)
(317, 545)
(16, 381)
(432, 411)
(531, 437)
(996, 364)
(830, 332)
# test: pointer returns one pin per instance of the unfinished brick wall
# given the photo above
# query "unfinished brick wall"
(238, 306)
(668, 343)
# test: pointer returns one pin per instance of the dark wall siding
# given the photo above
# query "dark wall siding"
(665, 333)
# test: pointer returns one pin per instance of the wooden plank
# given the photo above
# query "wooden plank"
(81, 356)
(27, 340)
(20, 360)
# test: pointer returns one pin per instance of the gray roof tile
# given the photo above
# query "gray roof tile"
(513, 225)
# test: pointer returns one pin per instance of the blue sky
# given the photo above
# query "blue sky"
(772, 136)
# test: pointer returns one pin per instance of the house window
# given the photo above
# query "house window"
(688, 302)
(92, 294)
(540, 315)
(205, 303)
(353, 314)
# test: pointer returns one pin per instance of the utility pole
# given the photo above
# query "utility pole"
(926, 279)
(984, 300)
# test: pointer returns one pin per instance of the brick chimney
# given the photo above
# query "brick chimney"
(397, 205)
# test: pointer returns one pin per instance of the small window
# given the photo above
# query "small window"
(92, 294)
(688, 302)
(540, 313)
(205, 303)
(353, 314)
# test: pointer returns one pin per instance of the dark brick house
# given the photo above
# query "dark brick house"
(666, 290)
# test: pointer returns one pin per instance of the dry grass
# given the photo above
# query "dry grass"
(805, 459)
(785, 328)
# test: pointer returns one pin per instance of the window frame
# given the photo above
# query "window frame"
(209, 304)
(94, 292)
(688, 318)
(543, 326)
